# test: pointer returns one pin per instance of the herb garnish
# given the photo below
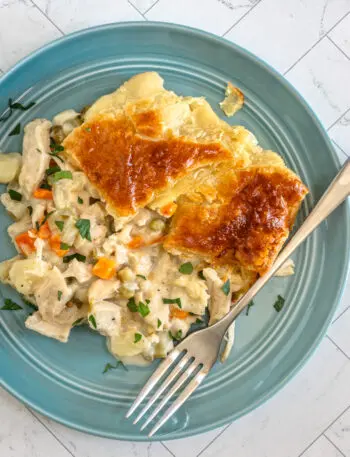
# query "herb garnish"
(250, 304)
(60, 225)
(79, 257)
(159, 323)
(59, 295)
(16, 130)
(64, 246)
(138, 337)
(83, 225)
(177, 336)
(109, 366)
(80, 200)
(201, 275)
(279, 303)
(141, 276)
(51, 170)
(63, 174)
(15, 106)
(186, 268)
(15, 195)
(10, 305)
(226, 287)
(141, 308)
(30, 304)
(78, 321)
(169, 301)
(92, 320)
(45, 219)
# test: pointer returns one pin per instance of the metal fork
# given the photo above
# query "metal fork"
(190, 362)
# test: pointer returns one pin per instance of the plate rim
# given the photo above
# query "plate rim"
(345, 273)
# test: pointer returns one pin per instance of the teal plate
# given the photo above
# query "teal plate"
(65, 381)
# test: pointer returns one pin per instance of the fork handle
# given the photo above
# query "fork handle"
(336, 193)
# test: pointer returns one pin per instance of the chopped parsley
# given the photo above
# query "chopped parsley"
(69, 258)
(88, 129)
(16, 130)
(64, 246)
(141, 276)
(51, 170)
(226, 287)
(138, 337)
(170, 301)
(279, 303)
(59, 295)
(10, 305)
(109, 366)
(83, 225)
(177, 336)
(63, 174)
(80, 201)
(47, 215)
(186, 268)
(92, 320)
(132, 305)
(19, 106)
(159, 323)
(141, 308)
(15, 106)
(55, 147)
(78, 321)
(56, 156)
(15, 195)
(199, 321)
(201, 275)
(30, 304)
(45, 185)
(60, 225)
(250, 304)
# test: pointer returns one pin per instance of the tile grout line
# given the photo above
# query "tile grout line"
(214, 439)
(318, 41)
(149, 9)
(338, 47)
(323, 431)
(242, 17)
(328, 439)
(167, 449)
(340, 315)
(47, 17)
(51, 433)
(338, 119)
(340, 349)
(136, 9)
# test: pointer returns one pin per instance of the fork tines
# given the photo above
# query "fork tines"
(184, 372)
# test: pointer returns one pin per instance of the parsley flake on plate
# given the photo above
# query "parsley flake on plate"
(138, 337)
(10, 305)
(92, 320)
(226, 287)
(279, 303)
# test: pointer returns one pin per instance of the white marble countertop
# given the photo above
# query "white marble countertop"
(309, 42)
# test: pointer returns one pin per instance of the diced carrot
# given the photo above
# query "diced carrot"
(168, 210)
(44, 231)
(104, 268)
(178, 313)
(136, 242)
(55, 245)
(43, 194)
(25, 243)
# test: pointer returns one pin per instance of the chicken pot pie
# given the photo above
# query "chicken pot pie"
(141, 216)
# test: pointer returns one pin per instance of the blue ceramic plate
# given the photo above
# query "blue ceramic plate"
(65, 381)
